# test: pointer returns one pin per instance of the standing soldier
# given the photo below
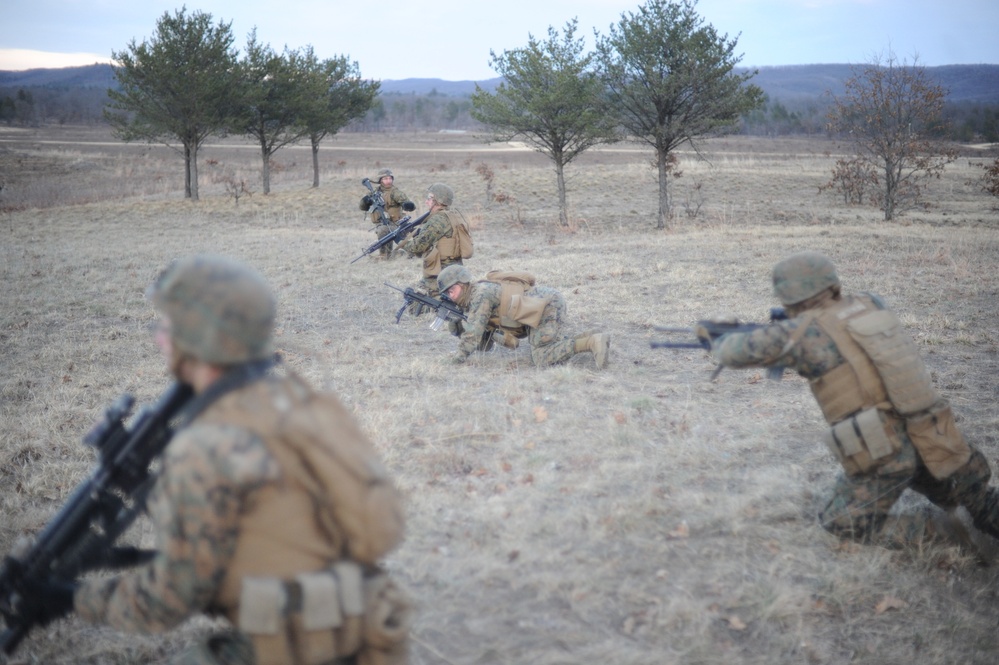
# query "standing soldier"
(889, 428)
(443, 240)
(508, 305)
(386, 217)
(271, 509)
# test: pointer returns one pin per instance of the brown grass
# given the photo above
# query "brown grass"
(637, 515)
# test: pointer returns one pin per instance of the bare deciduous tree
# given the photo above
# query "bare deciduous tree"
(891, 111)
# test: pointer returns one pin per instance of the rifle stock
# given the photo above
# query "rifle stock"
(81, 535)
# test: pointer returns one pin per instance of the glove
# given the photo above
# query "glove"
(456, 327)
(409, 206)
(48, 600)
(703, 336)
(366, 201)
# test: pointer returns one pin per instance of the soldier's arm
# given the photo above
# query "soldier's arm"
(763, 346)
(430, 232)
(480, 310)
(195, 509)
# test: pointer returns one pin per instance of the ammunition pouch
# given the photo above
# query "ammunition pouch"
(864, 441)
(940, 444)
(321, 616)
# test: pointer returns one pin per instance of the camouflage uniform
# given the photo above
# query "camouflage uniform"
(394, 199)
(427, 238)
(237, 501)
(549, 344)
(861, 498)
(209, 472)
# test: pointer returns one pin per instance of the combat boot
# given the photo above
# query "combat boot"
(598, 345)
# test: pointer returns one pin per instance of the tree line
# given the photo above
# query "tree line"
(662, 76)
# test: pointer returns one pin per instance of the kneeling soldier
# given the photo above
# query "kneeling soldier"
(889, 428)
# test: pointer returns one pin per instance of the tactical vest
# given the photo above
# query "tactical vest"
(449, 250)
(881, 390)
(517, 310)
(302, 578)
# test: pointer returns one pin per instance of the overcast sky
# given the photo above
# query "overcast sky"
(451, 39)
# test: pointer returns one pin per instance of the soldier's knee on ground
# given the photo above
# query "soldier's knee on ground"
(229, 648)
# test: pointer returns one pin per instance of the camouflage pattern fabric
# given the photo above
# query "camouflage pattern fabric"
(435, 227)
(229, 648)
(208, 473)
(394, 198)
(859, 505)
(549, 345)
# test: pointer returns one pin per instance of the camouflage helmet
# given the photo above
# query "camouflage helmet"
(453, 274)
(441, 193)
(384, 173)
(803, 275)
(220, 311)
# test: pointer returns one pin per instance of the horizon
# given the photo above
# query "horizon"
(48, 34)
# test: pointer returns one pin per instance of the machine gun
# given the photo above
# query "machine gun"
(405, 226)
(81, 536)
(445, 309)
(716, 329)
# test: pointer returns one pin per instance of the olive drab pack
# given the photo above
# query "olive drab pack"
(459, 245)
(883, 372)
(517, 309)
(300, 583)
(317, 442)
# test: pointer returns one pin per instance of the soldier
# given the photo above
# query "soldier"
(889, 428)
(272, 509)
(396, 202)
(442, 240)
(510, 306)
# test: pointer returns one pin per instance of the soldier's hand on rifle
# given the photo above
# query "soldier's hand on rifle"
(409, 206)
(366, 201)
(703, 335)
(456, 327)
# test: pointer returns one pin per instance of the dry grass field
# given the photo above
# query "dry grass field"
(637, 515)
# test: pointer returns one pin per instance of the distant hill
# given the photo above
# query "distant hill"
(966, 83)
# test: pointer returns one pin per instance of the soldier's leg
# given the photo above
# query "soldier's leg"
(968, 487)
(858, 508)
(549, 346)
(229, 648)
(381, 230)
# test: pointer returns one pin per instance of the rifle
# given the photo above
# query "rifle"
(81, 536)
(377, 202)
(446, 310)
(715, 330)
(400, 232)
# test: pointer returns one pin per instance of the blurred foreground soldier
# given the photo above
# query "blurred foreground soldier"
(271, 509)
(888, 426)
(508, 306)
(443, 240)
(386, 220)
